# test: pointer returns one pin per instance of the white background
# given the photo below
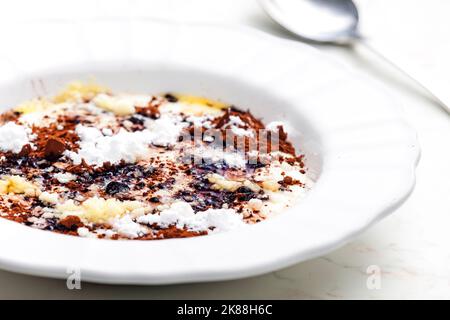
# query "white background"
(411, 247)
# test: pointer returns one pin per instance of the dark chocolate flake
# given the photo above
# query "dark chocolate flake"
(26, 150)
(54, 149)
(171, 98)
(115, 187)
(154, 199)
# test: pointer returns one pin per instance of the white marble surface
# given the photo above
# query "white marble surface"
(411, 247)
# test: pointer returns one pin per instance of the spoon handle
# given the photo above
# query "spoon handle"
(436, 87)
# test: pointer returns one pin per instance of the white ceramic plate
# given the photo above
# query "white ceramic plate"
(360, 152)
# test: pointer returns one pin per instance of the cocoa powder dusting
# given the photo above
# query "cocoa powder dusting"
(146, 180)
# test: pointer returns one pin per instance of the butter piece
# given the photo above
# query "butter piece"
(18, 185)
(78, 91)
(195, 106)
(120, 106)
(220, 183)
(99, 210)
(196, 100)
(35, 105)
(271, 185)
(49, 198)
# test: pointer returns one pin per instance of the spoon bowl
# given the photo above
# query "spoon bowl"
(336, 22)
(323, 21)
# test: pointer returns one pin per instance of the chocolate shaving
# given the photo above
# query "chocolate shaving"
(26, 150)
(148, 111)
(71, 222)
(54, 149)
(171, 98)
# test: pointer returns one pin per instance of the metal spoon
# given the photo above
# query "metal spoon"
(332, 22)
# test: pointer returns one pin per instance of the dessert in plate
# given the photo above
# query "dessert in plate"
(93, 163)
